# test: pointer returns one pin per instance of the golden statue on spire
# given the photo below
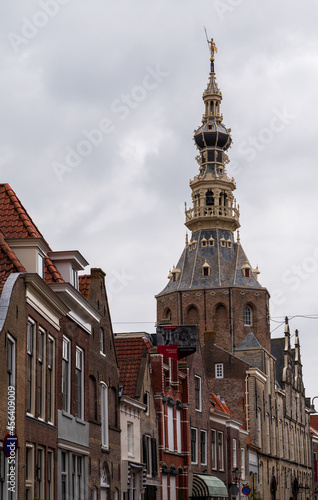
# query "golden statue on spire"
(212, 46)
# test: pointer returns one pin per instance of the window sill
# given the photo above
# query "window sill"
(80, 421)
(105, 449)
(67, 415)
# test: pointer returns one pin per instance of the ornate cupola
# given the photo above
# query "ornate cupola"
(214, 205)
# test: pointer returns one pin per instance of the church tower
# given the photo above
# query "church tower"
(213, 284)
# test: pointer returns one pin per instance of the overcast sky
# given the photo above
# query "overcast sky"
(98, 105)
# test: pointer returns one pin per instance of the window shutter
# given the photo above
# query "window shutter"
(144, 449)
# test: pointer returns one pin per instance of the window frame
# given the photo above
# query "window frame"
(31, 359)
(102, 342)
(79, 382)
(248, 316)
(219, 370)
(214, 454)
(29, 469)
(220, 450)
(104, 407)
(198, 393)
(41, 379)
(203, 451)
(50, 475)
(66, 375)
(194, 445)
(40, 470)
(50, 379)
(234, 449)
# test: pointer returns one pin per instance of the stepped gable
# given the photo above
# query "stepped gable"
(226, 265)
(129, 354)
(84, 282)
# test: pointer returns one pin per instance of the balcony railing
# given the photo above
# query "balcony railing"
(215, 211)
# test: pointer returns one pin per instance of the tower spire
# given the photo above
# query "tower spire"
(214, 205)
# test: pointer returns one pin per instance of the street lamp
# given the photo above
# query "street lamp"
(236, 476)
(312, 406)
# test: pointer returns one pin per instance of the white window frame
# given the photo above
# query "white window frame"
(41, 261)
(173, 488)
(248, 316)
(104, 414)
(102, 342)
(170, 429)
(74, 277)
(234, 444)
(51, 379)
(64, 476)
(66, 380)
(29, 469)
(243, 464)
(77, 480)
(194, 448)
(79, 372)
(50, 475)
(164, 485)
(204, 459)
(148, 457)
(178, 422)
(221, 450)
(214, 450)
(198, 393)
(31, 357)
(40, 469)
(219, 370)
(41, 361)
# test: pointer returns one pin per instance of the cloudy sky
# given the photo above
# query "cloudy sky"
(98, 105)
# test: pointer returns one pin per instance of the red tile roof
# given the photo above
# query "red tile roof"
(9, 263)
(129, 354)
(217, 404)
(84, 282)
(14, 220)
(16, 223)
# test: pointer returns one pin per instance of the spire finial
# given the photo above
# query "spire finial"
(213, 49)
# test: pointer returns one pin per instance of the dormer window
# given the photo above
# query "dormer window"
(204, 242)
(41, 265)
(229, 243)
(206, 269)
(175, 273)
(222, 242)
(247, 273)
(246, 270)
(74, 278)
(211, 242)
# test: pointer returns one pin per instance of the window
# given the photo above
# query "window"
(130, 438)
(147, 459)
(259, 427)
(194, 445)
(220, 451)
(132, 490)
(77, 481)
(40, 473)
(274, 436)
(243, 464)
(197, 388)
(50, 379)
(41, 374)
(246, 273)
(213, 449)
(79, 399)
(203, 448)
(219, 370)
(41, 265)
(209, 198)
(50, 475)
(64, 465)
(29, 471)
(30, 367)
(74, 278)
(178, 418)
(170, 429)
(173, 491)
(66, 357)
(101, 341)
(104, 414)
(234, 454)
(164, 487)
(205, 271)
(146, 402)
(247, 316)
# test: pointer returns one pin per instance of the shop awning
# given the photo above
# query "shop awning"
(208, 486)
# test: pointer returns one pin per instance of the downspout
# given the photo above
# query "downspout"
(247, 404)
(231, 320)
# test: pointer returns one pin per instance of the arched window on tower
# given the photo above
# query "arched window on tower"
(248, 316)
(222, 199)
(209, 198)
(168, 315)
(192, 316)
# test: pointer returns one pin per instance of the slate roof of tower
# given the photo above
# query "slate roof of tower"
(129, 354)
(250, 342)
(15, 222)
(226, 265)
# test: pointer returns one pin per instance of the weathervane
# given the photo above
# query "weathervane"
(212, 46)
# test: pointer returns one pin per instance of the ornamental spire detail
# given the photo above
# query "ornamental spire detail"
(213, 203)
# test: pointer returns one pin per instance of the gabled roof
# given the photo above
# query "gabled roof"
(250, 342)
(84, 281)
(15, 221)
(130, 351)
(217, 404)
